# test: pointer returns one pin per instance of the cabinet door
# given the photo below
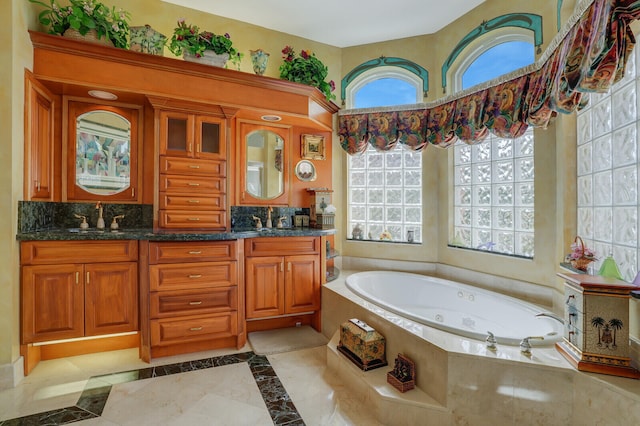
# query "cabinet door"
(264, 286)
(111, 298)
(210, 137)
(52, 302)
(176, 134)
(40, 155)
(102, 152)
(302, 284)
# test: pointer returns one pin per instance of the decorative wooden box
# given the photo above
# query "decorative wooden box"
(403, 375)
(364, 346)
(325, 220)
(596, 325)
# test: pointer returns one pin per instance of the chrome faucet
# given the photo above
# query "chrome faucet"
(525, 346)
(269, 222)
(491, 341)
(100, 222)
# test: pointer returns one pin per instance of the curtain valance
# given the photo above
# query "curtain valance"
(589, 55)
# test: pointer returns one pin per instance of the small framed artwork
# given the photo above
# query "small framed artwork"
(305, 171)
(313, 147)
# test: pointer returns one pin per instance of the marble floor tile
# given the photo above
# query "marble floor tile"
(216, 387)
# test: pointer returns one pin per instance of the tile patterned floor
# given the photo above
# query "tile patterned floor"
(216, 388)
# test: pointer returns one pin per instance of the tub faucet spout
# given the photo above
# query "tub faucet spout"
(551, 315)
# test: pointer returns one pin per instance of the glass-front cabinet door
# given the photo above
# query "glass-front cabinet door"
(102, 152)
(191, 135)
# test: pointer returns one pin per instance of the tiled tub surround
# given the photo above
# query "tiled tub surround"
(465, 383)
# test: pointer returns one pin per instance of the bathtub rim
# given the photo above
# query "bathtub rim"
(548, 342)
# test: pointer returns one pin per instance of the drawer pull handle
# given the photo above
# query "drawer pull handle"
(194, 166)
(195, 276)
(193, 184)
(196, 302)
(195, 329)
(194, 201)
(195, 252)
(194, 219)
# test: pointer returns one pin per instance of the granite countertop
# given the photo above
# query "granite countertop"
(75, 234)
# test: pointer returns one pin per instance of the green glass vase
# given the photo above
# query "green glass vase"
(609, 269)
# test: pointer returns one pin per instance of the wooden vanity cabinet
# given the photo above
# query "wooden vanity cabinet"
(76, 289)
(193, 297)
(282, 279)
(192, 167)
(42, 141)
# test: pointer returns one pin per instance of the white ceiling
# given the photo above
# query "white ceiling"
(341, 23)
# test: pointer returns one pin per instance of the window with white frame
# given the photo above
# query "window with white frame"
(384, 189)
(608, 161)
(493, 180)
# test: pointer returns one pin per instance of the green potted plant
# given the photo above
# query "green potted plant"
(189, 41)
(306, 69)
(86, 17)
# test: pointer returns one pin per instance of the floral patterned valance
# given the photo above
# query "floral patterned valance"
(589, 55)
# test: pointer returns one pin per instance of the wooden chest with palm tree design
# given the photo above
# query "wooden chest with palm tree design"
(596, 325)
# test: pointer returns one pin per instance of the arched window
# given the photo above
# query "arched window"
(493, 181)
(492, 56)
(384, 86)
(384, 189)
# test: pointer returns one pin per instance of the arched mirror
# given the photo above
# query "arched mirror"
(264, 174)
(101, 152)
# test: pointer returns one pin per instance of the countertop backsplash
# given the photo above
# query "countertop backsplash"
(34, 216)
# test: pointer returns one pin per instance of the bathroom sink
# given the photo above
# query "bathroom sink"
(86, 231)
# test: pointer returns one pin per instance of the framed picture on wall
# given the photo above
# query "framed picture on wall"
(313, 147)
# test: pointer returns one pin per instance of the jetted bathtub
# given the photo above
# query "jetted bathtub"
(456, 308)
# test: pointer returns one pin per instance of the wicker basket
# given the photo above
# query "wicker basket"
(91, 37)
(582, 262)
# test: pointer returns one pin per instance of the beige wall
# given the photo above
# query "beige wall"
(554, 220)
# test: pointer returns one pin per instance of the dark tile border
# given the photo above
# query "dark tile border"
(94, 397)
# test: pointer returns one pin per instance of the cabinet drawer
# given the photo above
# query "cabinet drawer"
(179, 252)
(201, 185)
(186, 329)
(279, 246)
(181, 219)
(192, 203)
(192, 302)
(192, 166)
(60, 252)
(192, 275)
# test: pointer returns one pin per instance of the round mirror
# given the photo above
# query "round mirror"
(264, 168)
(103, 148)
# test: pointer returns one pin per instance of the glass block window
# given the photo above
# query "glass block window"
(385, 194)
(607, 172)
(493, 203)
